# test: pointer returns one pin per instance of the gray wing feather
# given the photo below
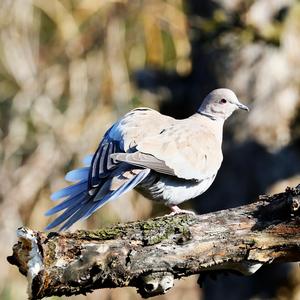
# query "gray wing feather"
(143, 160)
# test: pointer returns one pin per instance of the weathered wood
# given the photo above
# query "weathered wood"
(150, 254)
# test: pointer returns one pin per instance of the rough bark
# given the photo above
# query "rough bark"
(150, 254)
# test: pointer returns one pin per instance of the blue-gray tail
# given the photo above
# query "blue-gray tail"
(79, 203)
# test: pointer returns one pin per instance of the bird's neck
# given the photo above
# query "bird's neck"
(208, 115)
(214, 124)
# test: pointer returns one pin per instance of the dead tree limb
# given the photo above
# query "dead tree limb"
(150, 254)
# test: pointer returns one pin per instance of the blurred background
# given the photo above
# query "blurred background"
(69, 69)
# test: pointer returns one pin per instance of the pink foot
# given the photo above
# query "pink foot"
(176, 210)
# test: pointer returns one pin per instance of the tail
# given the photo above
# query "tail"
(79, 204)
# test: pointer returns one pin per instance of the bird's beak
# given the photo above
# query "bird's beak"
(242, 106)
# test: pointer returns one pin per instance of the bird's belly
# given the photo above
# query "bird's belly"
(171, 190)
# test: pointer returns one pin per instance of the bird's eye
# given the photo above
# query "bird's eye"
(223, 101)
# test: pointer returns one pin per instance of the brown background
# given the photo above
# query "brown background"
(68, 69)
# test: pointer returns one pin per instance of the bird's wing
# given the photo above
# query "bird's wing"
(145, 161)
(122, 137)
(137, 125)
(182, 148)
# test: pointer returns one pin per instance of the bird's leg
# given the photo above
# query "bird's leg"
(176, 210)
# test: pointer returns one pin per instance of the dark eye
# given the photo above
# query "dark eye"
(223, 101)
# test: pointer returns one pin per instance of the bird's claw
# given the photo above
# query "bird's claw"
(176, 210)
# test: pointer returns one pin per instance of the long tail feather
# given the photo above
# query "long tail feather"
(129, 185)
(76, 216)
(84, 209)
(78, 174)
(87, 160)
(71, 201)
(69, 191)
(67, 213)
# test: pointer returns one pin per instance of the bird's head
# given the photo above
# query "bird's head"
(220, 104)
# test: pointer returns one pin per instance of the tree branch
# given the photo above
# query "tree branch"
(150, 254)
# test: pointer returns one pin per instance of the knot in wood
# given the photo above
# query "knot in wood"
(295, 204)
(156, 284)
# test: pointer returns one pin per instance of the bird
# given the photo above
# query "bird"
(165, 159)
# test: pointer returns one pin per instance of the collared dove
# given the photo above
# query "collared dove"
(165, 159)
